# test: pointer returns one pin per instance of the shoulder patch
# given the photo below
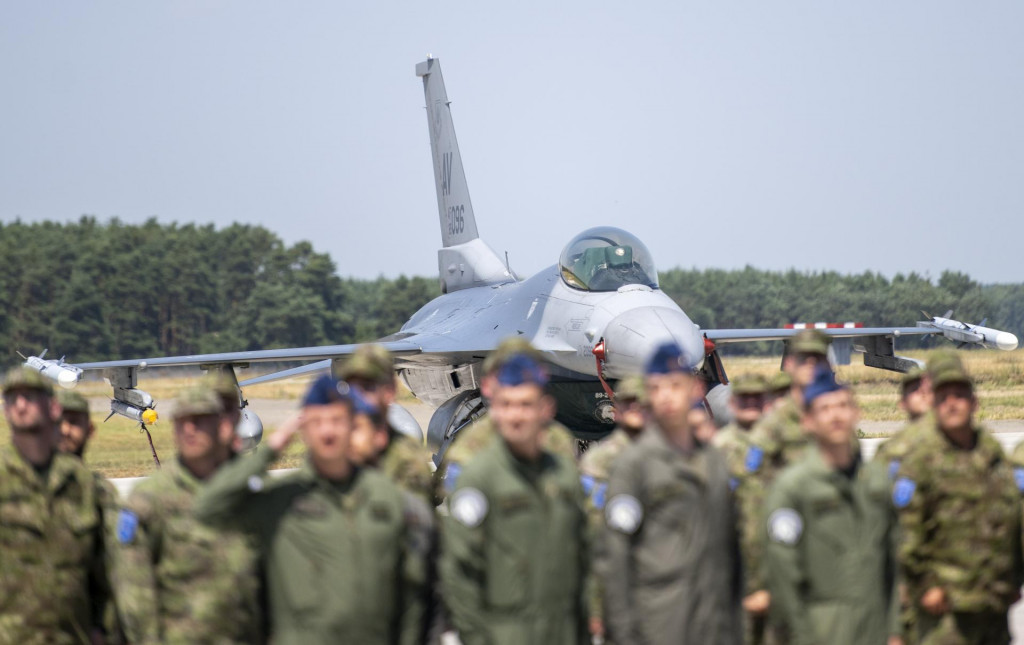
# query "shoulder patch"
(127, 524)
(588, 484)
(469, 507)
(255, 483)
(894, 468)
(903, 492)
(755, 455)
(1018, 476)
(599, 492)
(733, 483)
(624, 514)
(451, 476)
(785, 526)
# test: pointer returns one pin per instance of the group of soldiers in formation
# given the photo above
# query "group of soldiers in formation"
(770, 530)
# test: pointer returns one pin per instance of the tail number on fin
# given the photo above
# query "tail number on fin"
(456, 219)
(446, 173)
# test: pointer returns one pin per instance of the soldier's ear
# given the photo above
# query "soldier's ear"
(55, 411)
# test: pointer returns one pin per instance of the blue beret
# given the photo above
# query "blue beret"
(520, 369)
(668, 359)
(326, 390)
(824, 382)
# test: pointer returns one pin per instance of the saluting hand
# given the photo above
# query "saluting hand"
(285, 433)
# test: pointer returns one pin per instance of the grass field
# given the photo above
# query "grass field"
(119, 449)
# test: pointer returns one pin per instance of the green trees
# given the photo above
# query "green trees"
(100, 291)
(96, 291)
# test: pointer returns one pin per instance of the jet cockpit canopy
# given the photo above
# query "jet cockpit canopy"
(606, 258)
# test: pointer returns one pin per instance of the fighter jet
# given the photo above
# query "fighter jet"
(596, 314)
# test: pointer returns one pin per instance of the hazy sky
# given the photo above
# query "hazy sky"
(816, 135)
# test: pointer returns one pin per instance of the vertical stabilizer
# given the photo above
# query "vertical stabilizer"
(465, 261)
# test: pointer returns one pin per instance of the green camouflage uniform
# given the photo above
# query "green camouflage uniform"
(514, 551)
(178, 580)
(472, 439)
(668, 557)
(960, 517)
(53, 584)
(345, 562)
(595, 468)
(777, 441)
(407, 463)
(893, 450)
(743, 458)
(830, 557)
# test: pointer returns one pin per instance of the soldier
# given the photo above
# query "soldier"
(669, 559)
(475, 437)
(747, 404)
(344, 549)
(916, 402)
(777, 386)
(178, 580)
(959, 510)
(76, 429)
(630, 419)
(514, 547)
(376, 443)
(743, 458)
(831, 552)
(779, 432)
(52, 572)
(778, 440)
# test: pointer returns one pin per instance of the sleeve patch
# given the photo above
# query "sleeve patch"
(903, 492)
(255, 483)
(755, 456)
(588, 484)
(894, 468)
(1018, 476)
(624, 514)
(785, 526)
(469, 507)
(451, 477)
(127, 524)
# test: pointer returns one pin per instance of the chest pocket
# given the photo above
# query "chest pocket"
(512, 530)
(674, 504)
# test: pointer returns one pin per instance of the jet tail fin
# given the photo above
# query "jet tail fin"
(465, 261)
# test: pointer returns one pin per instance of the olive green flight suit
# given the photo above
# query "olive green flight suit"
(472, 439)
(178, 580)
(514, 551)
(53, 581)
(960, 520)
(345, 562)
(830, 558)
(669, 558)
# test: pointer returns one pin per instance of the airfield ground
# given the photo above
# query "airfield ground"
(120, 450)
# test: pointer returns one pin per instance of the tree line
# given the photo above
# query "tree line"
(98, 291)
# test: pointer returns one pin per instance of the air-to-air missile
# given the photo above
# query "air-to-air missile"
(65, 375)
(134, 404)
(967, 333)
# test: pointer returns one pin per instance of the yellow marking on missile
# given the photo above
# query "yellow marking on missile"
(149, 416)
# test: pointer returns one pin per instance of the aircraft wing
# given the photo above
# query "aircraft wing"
(751, 335)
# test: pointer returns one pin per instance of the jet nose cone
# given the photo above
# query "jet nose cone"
(632, 336)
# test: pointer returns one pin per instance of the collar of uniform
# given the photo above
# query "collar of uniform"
(308, 475)
(815, 460)
(183, 476)
(690, 464)
(62, 468)
(527, 469)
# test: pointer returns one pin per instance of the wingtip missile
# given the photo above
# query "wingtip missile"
(961, 332)
(67, 376)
